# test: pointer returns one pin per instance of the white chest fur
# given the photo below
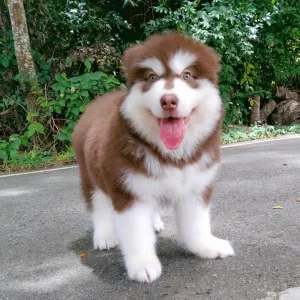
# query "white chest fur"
(171, 183)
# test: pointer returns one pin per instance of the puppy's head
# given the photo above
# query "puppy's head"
(173, 99)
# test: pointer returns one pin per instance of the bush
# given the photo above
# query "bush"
(58, 27)
(72, 96)
(49, 127)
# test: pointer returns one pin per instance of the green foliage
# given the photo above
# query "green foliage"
(7, 54)
(10, 149)
(8, 63)
(59, 26)
(43, 70)
(277, 47)
(37, 159)
(50, 126)
(73, 94)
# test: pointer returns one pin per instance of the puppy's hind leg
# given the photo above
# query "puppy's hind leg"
(104, 235)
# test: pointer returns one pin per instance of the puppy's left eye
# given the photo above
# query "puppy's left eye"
(152, 77)
(187, 76)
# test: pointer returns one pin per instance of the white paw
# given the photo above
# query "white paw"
(104, 241)
(145, 270)
(158, 223)
(212, 247)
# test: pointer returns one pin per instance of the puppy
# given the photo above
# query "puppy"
(156, 143)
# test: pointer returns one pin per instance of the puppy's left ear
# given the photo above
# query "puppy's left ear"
(130, 58)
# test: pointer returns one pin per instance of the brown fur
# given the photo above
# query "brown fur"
(105, 145)
(207, 194)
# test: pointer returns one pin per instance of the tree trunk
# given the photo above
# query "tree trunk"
(284, 94)
(287, 112)
(267, 110)
(24, 55)
(22, 45)
(21, 37)
(255, 112)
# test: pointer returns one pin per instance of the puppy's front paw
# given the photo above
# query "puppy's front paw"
(212, 247)
(104, 240)
(158, 224)
(144, 270)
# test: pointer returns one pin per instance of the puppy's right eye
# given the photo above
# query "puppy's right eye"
(187, 75)
(152, 77)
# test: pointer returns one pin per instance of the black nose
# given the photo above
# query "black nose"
(169, 102)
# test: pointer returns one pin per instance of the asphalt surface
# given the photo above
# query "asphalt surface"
(44, 228)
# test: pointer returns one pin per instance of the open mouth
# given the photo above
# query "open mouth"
(172, 131)
(185, 119)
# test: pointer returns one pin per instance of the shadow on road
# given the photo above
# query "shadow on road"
(109, 266)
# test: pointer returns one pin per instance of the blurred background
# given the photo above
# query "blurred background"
(57, 55)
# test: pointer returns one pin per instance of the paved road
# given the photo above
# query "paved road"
(45, 228)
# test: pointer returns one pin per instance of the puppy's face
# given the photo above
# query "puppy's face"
(173, 95)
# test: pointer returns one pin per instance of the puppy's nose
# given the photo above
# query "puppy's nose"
(169, 102)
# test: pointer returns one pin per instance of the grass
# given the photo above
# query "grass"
(37, 160)
(234, 134)
(231, 134)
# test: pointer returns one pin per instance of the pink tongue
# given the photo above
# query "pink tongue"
(172, 132)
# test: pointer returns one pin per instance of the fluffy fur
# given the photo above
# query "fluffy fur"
(128, 173)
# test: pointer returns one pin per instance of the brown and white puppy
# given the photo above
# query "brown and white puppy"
(157, 142)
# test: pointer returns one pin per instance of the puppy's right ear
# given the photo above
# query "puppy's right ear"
(131, 57)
